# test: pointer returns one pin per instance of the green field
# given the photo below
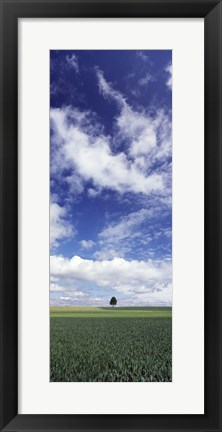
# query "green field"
(110, 344)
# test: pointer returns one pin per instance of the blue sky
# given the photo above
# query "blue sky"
(111, 174)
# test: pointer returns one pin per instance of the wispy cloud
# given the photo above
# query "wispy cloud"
(148, 135)
(133, 233)
(144, 57)
(60, 228)
(72, 61)
(89, 154)
(168, 69)
(145, 80)
(118, 238)
(107, 90)
(87, 244)
(80, 145)
(111, 168)
(54, 287)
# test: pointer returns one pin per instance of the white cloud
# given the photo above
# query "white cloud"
(81, 152)
(148, 135)
(80, 147)
(75, 183)
(128, 277)
(131, 233)
(72, 61)
(145, 80)
(88, 282)
(168, 69)
(56, 288)
(141, 299)
(79, 300)
(141, 83)
(144, 57)
(93, 192)
(125, 228)
(60, 228)
(91, 157)
(87, 244)
(107, 90)
(140, 129)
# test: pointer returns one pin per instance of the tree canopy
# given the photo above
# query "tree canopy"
(113, 301)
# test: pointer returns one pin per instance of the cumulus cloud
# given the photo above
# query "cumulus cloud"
(135, 277)
(134, 299)
(80, 146)
(92, 193)
(81, 149)
(60, 228)
(140, 129)
(54, 287)
(87, 244)
(90, 155)
(132, 165)
(79, 299)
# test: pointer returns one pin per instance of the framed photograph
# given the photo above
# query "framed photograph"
(110, 215)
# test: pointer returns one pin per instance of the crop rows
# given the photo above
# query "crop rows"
(107, 349)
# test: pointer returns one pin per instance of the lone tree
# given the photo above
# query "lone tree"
(113, 301)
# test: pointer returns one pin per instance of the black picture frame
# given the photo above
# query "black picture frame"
(11, 11)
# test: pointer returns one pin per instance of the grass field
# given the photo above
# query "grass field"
(110, 344)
